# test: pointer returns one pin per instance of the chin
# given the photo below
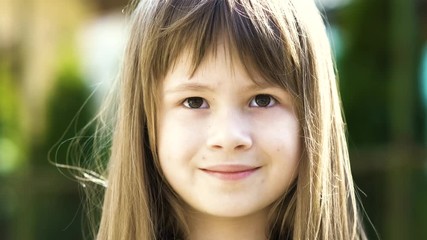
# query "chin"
(229, 210)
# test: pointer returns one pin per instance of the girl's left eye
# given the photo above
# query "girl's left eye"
(195, 103)
(262, 100)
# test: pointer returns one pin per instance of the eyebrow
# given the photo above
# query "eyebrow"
(189, 87)
(193, 86)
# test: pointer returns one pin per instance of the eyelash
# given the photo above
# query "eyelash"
(253, 103)
(271, 102)
(203, 105)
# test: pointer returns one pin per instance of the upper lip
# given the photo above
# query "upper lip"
(229, 168)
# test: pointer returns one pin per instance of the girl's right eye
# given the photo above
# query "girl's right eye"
(195, 102)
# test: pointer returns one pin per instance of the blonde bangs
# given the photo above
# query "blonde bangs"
(265, 44)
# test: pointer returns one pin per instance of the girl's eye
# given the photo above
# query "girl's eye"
(263, 100)
(195, 102)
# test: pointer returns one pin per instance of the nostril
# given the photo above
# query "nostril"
(215, 146)
(240, 147)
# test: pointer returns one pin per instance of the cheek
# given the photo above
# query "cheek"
(282, 137)
(281, 140)
(178, 140)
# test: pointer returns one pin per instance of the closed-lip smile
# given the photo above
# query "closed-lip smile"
(230, 172)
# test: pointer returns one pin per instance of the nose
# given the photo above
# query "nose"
(230, 131)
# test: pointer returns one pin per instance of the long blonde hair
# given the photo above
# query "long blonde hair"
(285, 41)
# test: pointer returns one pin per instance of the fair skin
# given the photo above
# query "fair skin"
(227, 146)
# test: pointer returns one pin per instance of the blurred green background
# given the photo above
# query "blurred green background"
(54, 54)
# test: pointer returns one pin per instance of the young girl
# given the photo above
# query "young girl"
(228, 125)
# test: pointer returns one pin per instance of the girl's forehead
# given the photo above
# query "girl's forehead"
(215, 75)
(221, 56)
(219, 51)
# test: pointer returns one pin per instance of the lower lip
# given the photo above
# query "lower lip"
(231, 175)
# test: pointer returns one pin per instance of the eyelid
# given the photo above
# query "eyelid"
(204, 105)
(273, 101)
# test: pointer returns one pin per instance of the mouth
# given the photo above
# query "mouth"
(230, 172)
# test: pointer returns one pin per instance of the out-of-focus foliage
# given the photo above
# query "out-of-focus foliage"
(379, 82)
(364, 69)
(42, 203)
(68, 111)
(41, 91)
(12, 144)
(371, 34)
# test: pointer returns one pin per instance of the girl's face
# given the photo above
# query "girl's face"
(227, 146)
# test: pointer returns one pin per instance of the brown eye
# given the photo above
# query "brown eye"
(195, 102)
(262, 100)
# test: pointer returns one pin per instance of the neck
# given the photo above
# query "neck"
(252, 227)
